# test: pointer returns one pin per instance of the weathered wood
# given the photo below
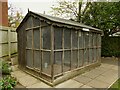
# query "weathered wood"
(32, 43)
(63, 50)
(9, 43)
(78, 50)
(71, 52)
(41, 53)
(52, 52)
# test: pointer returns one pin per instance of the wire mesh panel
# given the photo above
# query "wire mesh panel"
(29, 58)
(46, 37)
(99, 53)
(46, 64)
(29, 22)
(57, 63)
(80, 57)
(29, 39)
(37, 56)
(95, 54)
(85, 56)
(74, 59)
(36, 22)
(90, 55)
(67, 58)
(99, 40)
(58, 38)
(94, 39)
(81, 39)
(90, 40)
(67, 39)
(74, 39)
(86, 36)
(36, 38)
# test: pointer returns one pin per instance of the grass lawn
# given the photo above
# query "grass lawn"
(116, 85)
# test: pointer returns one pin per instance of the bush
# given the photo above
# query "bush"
(6, 69)
(110, 46)
(7, 83)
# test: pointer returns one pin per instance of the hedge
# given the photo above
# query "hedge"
(110, 46)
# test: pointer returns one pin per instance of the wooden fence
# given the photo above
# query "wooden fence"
(8, 42)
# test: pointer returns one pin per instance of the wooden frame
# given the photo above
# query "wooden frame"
(52, 50)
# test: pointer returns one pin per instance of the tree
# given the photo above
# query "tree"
(14, 16)
(102, 15)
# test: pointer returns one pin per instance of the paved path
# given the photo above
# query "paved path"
(100, 77)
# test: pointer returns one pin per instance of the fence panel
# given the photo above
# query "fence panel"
(8, 41)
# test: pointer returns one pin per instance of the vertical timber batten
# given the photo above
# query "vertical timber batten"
(78, 49)
(71, 50)
(52, 52)
(32, 43)
(63, 50)
(40, 48)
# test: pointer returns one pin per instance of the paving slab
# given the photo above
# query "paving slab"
(97, 84)
(28, 80)
(90, 75)
(95, 71)
(18, 73)
(115, 67)
(82, 79)
(69, 84)
(111, 74)
(106, 66)
(102, 69)
(105, 79)
(14, 68)
(39, 85)
(85, 86)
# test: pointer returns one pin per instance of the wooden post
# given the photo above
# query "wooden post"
(52, 53)
(32, 42)
(78, 49)
(41, 58)
(71, 52)
(9, 43)
(63, 51)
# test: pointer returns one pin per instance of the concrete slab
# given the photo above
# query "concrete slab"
(95, 71)
(85, 86)
(97, 84)
(115, 67)
(102, 69)
(82, 79)
(111, 73)
(28, 80)
(106, 66)
(18, 73)
(39, 85)
(90, 75)
(105, 79)
(14, 68)
(69, 84)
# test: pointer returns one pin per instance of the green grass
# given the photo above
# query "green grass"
(116, 85)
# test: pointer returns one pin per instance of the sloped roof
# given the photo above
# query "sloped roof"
(63, 21)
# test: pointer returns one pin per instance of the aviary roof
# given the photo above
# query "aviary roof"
(63, 21)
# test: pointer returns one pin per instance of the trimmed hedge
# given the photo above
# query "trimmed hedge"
(110, 46)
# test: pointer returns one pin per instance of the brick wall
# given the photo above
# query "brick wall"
(3, 12)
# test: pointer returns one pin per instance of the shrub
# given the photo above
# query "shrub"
(7, 83)
(6, 69)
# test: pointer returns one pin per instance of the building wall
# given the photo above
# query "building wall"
(4, 12)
